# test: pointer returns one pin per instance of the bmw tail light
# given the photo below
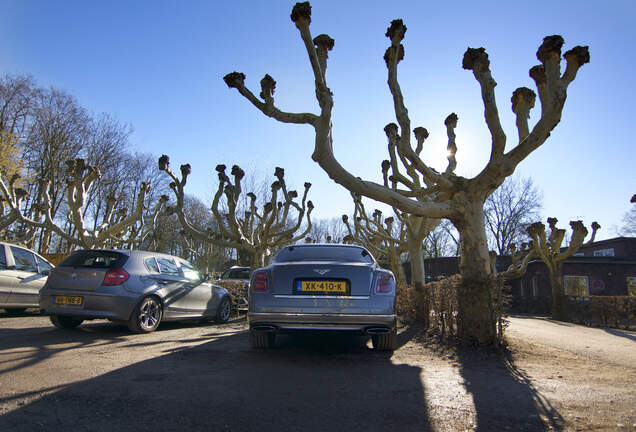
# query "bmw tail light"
(384, 284)
(260, 282)
(115, 277)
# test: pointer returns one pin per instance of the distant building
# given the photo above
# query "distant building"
(443, 267)
(604, 268)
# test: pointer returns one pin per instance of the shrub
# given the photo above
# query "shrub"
(601, 311)
(444, 305)
(238, 291)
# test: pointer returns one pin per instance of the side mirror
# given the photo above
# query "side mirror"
(45, 272)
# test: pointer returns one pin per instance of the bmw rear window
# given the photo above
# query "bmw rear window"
(323, 253)
(95, 259)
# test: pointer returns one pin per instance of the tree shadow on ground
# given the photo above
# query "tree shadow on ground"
(543, 317)
(311, 383)
(37, 344)
(504, 396)
(24, 347)
(620, 333)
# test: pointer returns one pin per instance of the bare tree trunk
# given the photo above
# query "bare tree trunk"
(422, 298)
(257, 261)
(474, 320)
(556, 280)
(396, 266)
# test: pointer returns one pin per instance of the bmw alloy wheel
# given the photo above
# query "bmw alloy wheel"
(147, 316)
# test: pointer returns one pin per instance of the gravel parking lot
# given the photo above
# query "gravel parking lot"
(198, 376)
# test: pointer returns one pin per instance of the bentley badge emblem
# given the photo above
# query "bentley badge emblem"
(321, 271)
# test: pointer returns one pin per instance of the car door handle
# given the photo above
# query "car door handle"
(163, 282)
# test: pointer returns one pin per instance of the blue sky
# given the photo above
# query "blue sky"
(158, 65)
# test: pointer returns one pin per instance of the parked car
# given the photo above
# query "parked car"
(139, 288)
(236, 273)
(322, 287)
(22, 275)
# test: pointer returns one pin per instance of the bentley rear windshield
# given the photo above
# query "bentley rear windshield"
(323, 253)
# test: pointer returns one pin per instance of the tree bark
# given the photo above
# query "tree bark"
(422, 298)
(396, 266)
(474, 321)
(257, 261)
(556, 280)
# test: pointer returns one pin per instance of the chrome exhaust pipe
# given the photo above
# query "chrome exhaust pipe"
(377, 330)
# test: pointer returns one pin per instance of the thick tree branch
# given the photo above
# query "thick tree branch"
(236, 80)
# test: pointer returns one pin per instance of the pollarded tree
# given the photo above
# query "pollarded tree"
(14, 195)
(548, 249)
(379, 235)
(408, 237)
(418, 189)
(80, 178)
(258, 232)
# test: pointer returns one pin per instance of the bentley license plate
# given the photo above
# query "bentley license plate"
(323, 286)
(68, 300)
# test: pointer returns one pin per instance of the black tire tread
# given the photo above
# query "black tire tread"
(65, 322)
(217, 317)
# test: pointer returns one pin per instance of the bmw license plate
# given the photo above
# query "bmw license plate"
(322, 287)
(69, 300)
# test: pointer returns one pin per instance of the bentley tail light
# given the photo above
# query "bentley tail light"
(260, 282)
(384, 285)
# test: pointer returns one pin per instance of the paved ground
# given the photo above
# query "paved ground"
(205, 377)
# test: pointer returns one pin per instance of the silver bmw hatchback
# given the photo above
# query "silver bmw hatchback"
(134, 287)
(323, 287)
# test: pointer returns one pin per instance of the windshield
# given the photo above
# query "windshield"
(236, 273)
(95, 259)
(324, 253)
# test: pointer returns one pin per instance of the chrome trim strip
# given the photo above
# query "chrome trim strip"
(322, 297)
(316, 315)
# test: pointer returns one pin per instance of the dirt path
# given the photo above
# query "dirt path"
(205, 377)
(607, 345)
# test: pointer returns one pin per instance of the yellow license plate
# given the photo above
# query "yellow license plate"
(339, 287)
(68, 300)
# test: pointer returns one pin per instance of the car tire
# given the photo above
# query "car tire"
(65, 322)
(385, 341)
(261, 339)
(14, 311)
(223, 311)
(146, 316)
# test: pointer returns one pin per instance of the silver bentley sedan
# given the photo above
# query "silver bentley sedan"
(138, 288)
(322, 287)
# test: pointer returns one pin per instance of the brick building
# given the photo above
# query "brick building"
(604, 268)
